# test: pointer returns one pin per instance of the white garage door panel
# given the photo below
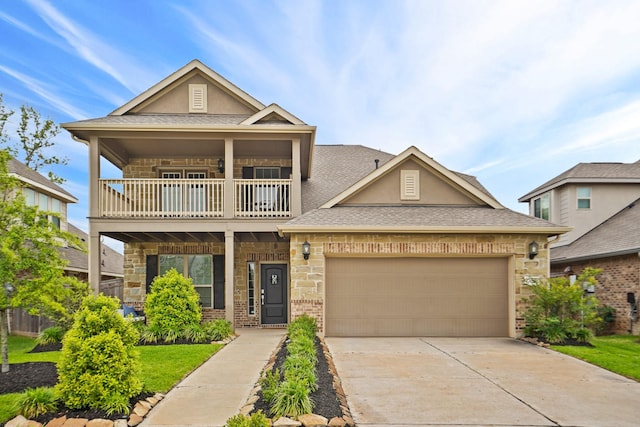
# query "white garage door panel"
(417, 297)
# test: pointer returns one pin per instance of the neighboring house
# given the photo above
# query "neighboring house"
(232, 193)
(599, 200)
(40, 191)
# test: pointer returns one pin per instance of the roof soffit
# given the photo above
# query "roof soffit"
(427, 162)
(192, 68)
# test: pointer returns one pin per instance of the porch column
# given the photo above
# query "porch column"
(228, 178)
(228, 276)
(94, 212)
(296, 186)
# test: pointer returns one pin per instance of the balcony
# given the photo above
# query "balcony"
(193, 198)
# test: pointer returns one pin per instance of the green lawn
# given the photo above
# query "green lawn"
(162, 366)
(616, 353)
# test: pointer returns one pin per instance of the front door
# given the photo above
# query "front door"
(273, 289)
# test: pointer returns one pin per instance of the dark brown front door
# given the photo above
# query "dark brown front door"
(273, 288)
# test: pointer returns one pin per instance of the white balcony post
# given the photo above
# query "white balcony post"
(228, 178)
(228, 276)
(94, 212)
(295, 196)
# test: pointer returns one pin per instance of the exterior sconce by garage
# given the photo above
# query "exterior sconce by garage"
(221, 165)
(306, 249)
(533, 250)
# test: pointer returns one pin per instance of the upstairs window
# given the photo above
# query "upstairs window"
(541, 207)
(584, 197)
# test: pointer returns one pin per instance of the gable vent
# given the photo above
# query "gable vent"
(410, 185)
(197, 98)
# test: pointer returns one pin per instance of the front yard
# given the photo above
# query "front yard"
(162, 366)
(616, 353)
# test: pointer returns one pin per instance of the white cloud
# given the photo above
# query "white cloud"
(88, 46)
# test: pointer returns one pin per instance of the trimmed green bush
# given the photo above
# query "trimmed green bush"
(559, 310)
(37, 401)
(99, 366)
(172, 306)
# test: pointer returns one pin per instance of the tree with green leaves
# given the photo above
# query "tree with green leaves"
(34, 144)
(31, 268)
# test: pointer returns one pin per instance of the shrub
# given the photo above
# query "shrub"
(607, 315)
(99, 366)
(304, 323)
(269, 384)
(172, 306)
(51, 335)
(196, 333)
(37, 401)
(560, 310)
(257, 419)
(219, 329)
(292, 399)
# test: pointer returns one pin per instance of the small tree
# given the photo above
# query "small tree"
(99, 367)
(34, 144)
(29, 259)
(172, 306)
(560, 310)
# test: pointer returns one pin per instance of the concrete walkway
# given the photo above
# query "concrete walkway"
(219, 388)
(477, 382)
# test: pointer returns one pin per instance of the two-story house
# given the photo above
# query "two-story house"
(599, 201)
(48, 196)
(236, 195)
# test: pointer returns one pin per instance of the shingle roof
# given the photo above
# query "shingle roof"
(78, 260)
(418, 216)
(617, 235)
(169, 119)
(21, 170)
(335, 168)
(590, 172)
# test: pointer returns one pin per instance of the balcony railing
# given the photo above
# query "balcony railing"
(149, 198)
(267, 198)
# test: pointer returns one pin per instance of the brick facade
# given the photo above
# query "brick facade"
(619, 275)
(307, 276)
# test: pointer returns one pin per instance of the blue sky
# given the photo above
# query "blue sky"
(514, 92)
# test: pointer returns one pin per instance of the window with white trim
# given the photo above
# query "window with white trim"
(44, 203)
(251, 288)
(542, 207)
(197, 267)
(583, 195)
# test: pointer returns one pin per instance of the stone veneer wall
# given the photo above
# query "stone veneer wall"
(260, 253)
(307, 277)
(619, 275)
(135, 256)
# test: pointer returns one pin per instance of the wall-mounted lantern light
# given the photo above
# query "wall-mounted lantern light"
(306, 249)
(533, 250)
(221, 165)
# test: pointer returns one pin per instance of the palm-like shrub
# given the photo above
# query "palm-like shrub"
(37, 401)
(99, 366)
(173, 306)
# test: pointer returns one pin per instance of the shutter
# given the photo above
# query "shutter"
(218, 281)
(285, 172)
(410, 185)
(247, 172)
(197, 98)
(152, 271)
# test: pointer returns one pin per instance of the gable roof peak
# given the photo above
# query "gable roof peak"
(273, 110)
(193, 65)
(413, 151)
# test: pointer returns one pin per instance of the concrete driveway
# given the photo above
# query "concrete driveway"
(477, 382)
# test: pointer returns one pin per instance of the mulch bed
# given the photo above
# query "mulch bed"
(325, 400)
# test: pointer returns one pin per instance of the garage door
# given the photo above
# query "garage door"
(453, 297)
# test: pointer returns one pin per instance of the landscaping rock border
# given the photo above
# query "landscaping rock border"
(307, 420)
(141, 408)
